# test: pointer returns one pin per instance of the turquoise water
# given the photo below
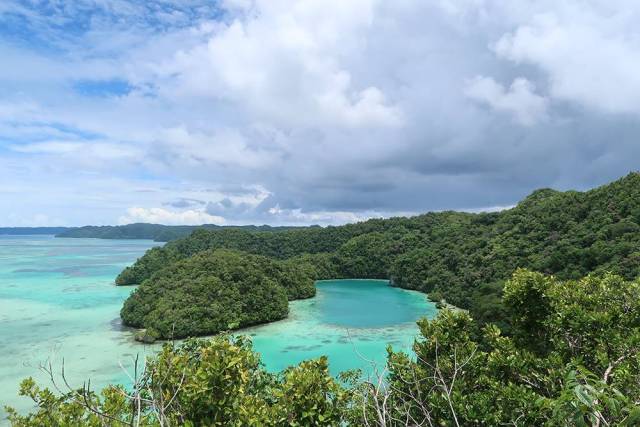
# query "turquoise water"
(58, 301)
(351, 321)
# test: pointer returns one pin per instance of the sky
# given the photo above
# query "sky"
(308, 112)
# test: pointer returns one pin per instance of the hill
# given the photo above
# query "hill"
(215, 291)
(26, 231)
(463, 258)
(157, 232)
(570, 355)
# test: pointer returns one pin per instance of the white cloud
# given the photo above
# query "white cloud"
(287, 64)
(519, 99)
(85, 155)
(296, 216)
(49, 147)
(169, 217)
(35, 220)
(589, 59)
(238, 5)
(489, 209)
(278, 215)
(222, 147)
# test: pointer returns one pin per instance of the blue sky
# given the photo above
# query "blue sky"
(301, 112)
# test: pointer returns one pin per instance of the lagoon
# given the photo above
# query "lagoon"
(58, 301)
(351, 321)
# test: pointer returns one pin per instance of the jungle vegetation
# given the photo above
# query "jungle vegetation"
(462, 258)
(214, 291)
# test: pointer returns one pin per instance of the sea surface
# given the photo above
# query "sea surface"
(351, 321)
(58, 304)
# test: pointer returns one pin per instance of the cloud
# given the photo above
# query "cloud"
(589, 59)
(169, 217)
(297, 216)
(92, 155)
(222, 147)
(309, 111)
(519, 99)
(184, 203)
(49, 147)
(285, 65)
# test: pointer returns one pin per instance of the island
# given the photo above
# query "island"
(460, 258)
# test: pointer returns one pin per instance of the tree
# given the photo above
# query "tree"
(573, 359)
(215, 382)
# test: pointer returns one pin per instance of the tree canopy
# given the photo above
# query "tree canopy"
(157, 232)
(573, 358)
(214, 291)
(217, 382)
(462, 258)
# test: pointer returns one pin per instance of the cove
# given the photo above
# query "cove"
(58, 301)
(350, 321)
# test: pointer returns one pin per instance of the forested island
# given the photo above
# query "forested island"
(156, 232)
(216, 290)
(142, 231)
(22, 231)
(551, 336)
(462, 258)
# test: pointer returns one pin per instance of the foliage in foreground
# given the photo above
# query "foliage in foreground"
(573, 359)
(214, 382)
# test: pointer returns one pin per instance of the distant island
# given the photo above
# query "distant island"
(25, 231)
(156, 232)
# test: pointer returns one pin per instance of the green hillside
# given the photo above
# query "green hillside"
(157, 232)
(25, 231)
(463, 258)
(214, 291)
